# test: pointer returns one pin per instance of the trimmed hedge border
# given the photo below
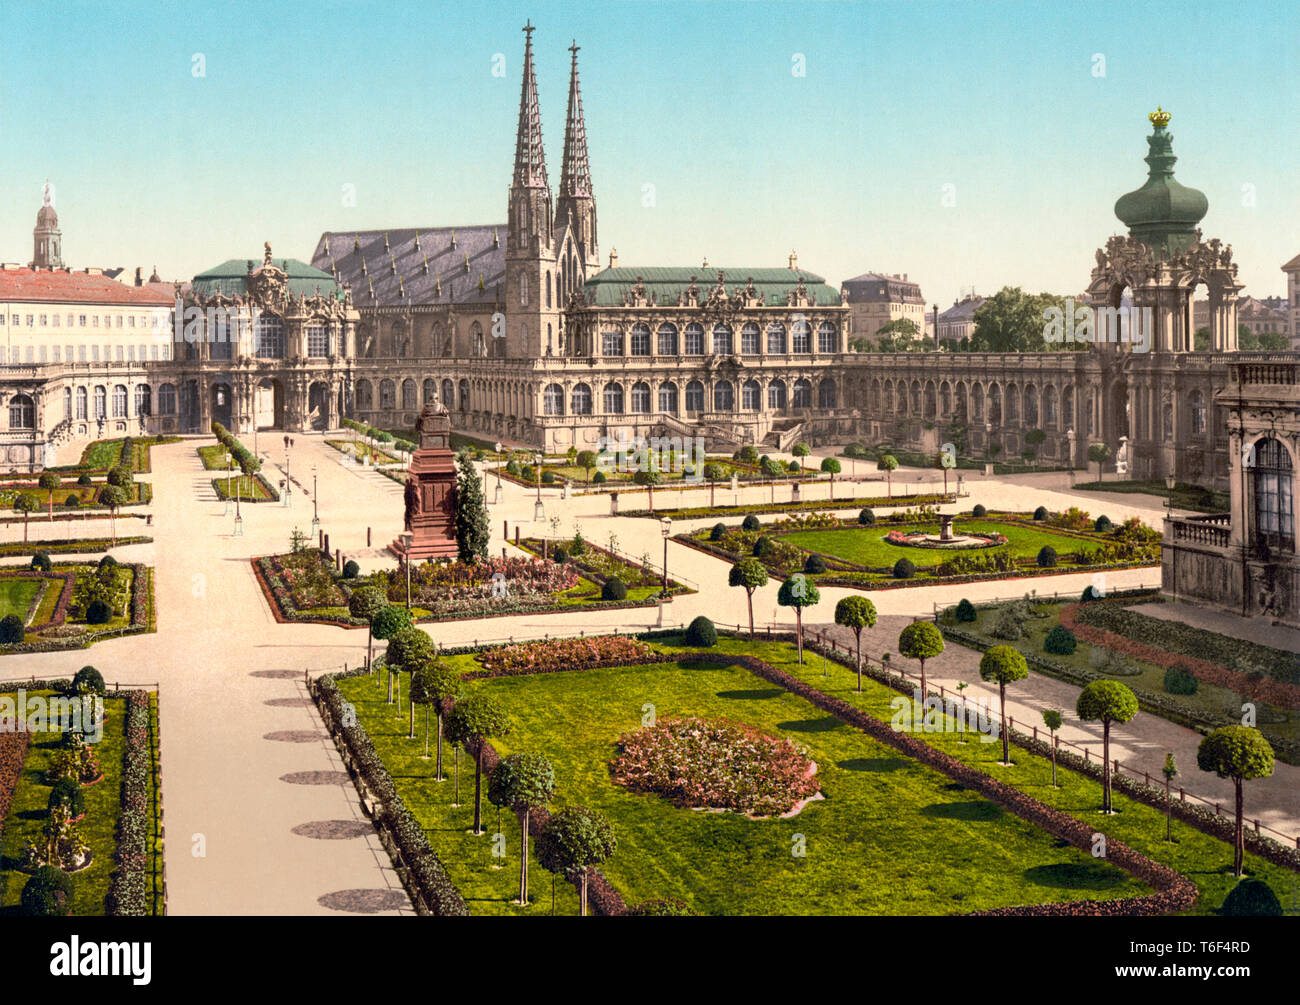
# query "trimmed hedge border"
(128, 894)
(789, 508)
(143, 615)
(88, 545)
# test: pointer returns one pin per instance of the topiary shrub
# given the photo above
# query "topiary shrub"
(48, 894)
(119, 476)
(965, 611)
(1178, 680)
(85, 480)
(88, 681)
(1060, 641)
(750, 522)
(548, 477)
(1103, 525)
(513, 468)
(12, 629)
(1040, 513)
(614, 589)
(1090, 594)
(41, 561)
(904, 569)
(793, 467)
(560, 554)
(718, 532)
(1047, 557)
(814, 564)
(701, 632)
(351, 570)
(1009, 625)
(1251, 898)
(72, 502)
(98, 613)
(764, 547)
(866, 517)
(979, 510)
(67, 793)
(598, 478)
(107, 561)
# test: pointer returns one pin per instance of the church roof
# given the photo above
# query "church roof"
(228, 278)
(435, 272)
(609, 287)
(18, 283)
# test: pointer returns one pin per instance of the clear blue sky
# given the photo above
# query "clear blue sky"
(847, 165)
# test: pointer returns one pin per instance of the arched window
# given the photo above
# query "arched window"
(873, 398)
(930, 401)
(1050, 418)
(548, 290)
(67, 403)
(722, 342)
(22, 412)
(448, 394)
(724, 396)
(613, 399)
(429, 390)
(167, 399)
(995, 404)
(916, 397)
(749, 340)
(408, 394)
(826, 394)
(462, 395)
(668, 398)
(667, 340)
(365, 396)
(827, 338)
(640, 397)
(119, 401)
(695, 396)
(581, 400)
(523, 288)
(81, 403)
(318, 339)
(143, 399)
(269, 338)
(776, 394)
(387, 394)
(800, 337)
(639, 340)
(1012, 403)
(553, 400)
(751, 396)
(776, 339)
(1196, 405)
(1274, 486)
(802, 396)
(1031, 406)
(693, 341)
(977, 401)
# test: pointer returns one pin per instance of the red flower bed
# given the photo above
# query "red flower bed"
(562, 654)
(13, 751)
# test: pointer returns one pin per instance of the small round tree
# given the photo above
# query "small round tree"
(471, 723)
(1108, 701)
(920, 640)
(856, 612)
(114, 497)
(866, 517)
(751, 574)
(88, 680)
(523, 782)
(386, 623)
(26, 504)
(408, 649)
(888, 463)
(649, 478)
(587, 460)
(798, 592)
(48, 894)
(574, 840)
(751, 522)
(51, 483)
(713, 473)
(965, 612)
(1052, 719)
(41, 561)
(1098, 454)
(1060, 641)
(1170, 771)
(1240, 753)
(441, 684)
(364, 604)
(801, 450)
(701, 633)
(1003, 665)
(831, 467)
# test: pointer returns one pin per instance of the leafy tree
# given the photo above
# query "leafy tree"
(1098, 454)
(920, 640)
(119, 476)
(113, 497)
(1240, 753)
(1003, 665)
(440, 684)
(472, 532)
(472, 721)
(901, 335)
(364, 604)
(523, 782)
(26, 504)
(748, 454)
(51, 483)
(1012, 321)
(713, 473)
(1052, 719)
(409, 649)
(648, 477)
(751, 574)
(831, 467)
(1170, 771)
(1108, 701)
(587, 460)
(770, 467)
(857, 612)
(385, 625)
(801, 450)
(888, 463)
(574, 840)
(798, 592)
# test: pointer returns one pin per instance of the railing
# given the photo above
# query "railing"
(1270, 373)
(1215, 530)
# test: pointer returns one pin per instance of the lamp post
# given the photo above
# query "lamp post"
(1170, 482)
(288, 480)
(239, 520)
(229, 462)
(499, 497)
(666, 527)
(315, 507)
(539, 511)
(1169, 511)
(408, 539)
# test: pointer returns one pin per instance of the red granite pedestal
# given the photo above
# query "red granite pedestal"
(431, 492)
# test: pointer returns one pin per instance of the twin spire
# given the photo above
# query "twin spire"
(530, 155)
(575, 174)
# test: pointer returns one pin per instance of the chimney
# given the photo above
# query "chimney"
(613, 258)
(139, 276)
(794, 261)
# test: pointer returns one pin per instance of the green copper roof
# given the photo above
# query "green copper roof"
(228, 278)
(1162, 213)
(608, 288)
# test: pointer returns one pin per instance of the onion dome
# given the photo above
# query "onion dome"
(1162, 213)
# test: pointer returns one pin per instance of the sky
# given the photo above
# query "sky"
(970, 146)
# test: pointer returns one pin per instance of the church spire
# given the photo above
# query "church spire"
(530, 157)
(575, 173)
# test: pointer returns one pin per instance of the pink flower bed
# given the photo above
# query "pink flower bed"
(562, 654)
(715, 764)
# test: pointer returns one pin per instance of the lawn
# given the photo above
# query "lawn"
(866, 546)
(247, 488)
(1186, 495)
(16, 596)
(891, 836)
(361, 450)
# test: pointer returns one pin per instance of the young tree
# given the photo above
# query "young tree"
(587, 460)
(801, 450)
(409, 649)
(386, 623)
(857, 612)
(751, 574)
(51, 483)
(1108, 701)
(920, 640)
(888, 463)
(713, 473)
(1170, 771)
(523, 782)
(1003, 665)
(364, 604)
(472, 531)
(472, 721)
(1052, 719)
(574, 840)
(649, 478)
(1240, 753)
(26, 504)
(831, 467)
(1035, 438)
(1098, 453)
(442, 685)
(798, 592)
(112, 496)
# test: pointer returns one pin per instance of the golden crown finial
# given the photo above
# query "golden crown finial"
(1160, 118)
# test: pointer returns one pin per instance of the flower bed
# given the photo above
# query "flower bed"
(129, 894)
(699, 763)
(60, 633)
(561, 654)
(13, 751)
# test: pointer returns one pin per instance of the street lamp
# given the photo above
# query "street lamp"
(1169, 502)
(666, 527)
(539, 511)
(229, 462)
(500, 494)
(239, 520)
(288, 480)
(408, 539)
(315, 508)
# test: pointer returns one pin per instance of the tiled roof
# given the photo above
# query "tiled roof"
(609, 287)
(433, 273)
(962, 311)
(62, 286)
(228, 278)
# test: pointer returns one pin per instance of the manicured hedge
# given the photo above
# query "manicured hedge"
(129, 893)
